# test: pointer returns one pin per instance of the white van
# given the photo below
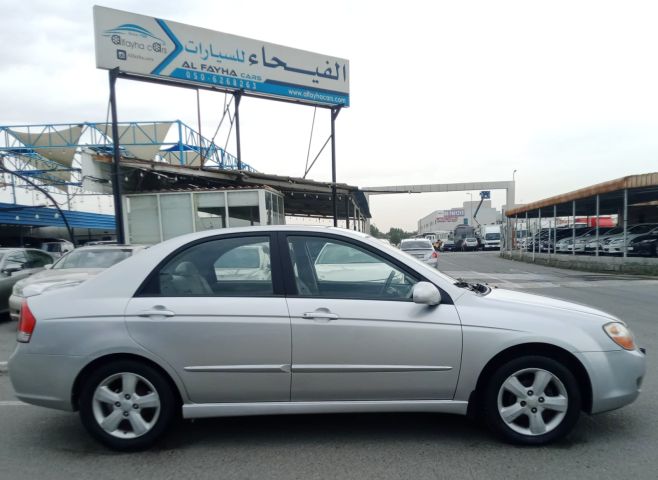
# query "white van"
(491, 237)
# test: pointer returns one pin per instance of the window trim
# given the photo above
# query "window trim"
(289, 274)
(275, 265)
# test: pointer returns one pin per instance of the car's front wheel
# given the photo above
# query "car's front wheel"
(127, 405)
(532, 400)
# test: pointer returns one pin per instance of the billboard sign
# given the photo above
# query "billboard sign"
(157, 48)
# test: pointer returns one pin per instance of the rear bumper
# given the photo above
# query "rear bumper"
(44, 380)
(616, 377)
(15, 303)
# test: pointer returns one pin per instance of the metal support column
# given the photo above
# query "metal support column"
(625, 222)
(539, 239)
(334, 113)
(527, 233)
(597, 225)
(534, 237)
(198, 117)
(573, 226)
(237, 96)
(554, 229)
(116, 168)
(347, 212)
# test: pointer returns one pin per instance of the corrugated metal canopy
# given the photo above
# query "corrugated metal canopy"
(15, 214)
(641, 189)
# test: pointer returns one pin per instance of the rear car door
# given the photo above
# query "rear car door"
(215, 311)
(356, 333)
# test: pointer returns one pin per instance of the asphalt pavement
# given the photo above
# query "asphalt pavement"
(41, 443)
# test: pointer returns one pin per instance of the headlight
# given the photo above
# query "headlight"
(620, 334)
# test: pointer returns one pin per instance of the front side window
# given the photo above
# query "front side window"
(329, 268)
(238, 266)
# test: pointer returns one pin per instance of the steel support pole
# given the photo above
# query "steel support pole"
(625, 222)
(198, 118)
(554, 229)
(334, 113)
(347, 212)
(116, 168)
(515, 233)
(539, 239)
(597, 225)
(237, 96)
(573, 226)
(534, 237)
(527, 233)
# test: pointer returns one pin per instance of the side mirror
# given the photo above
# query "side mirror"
(9, 270)
(48, 267)
(426, 293)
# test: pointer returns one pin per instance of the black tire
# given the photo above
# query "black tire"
(167, 413)
(494, 419)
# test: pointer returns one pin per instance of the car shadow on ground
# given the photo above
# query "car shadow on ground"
(64, 433)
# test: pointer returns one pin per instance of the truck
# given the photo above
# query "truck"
(490, 237)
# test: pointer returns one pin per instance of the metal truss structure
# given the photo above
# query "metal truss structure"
(50, 153)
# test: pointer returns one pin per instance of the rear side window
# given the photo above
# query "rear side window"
(238, 266)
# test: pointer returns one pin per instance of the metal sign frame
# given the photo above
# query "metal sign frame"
(237, 91)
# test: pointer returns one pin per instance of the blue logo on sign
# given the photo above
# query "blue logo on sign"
(131, 29)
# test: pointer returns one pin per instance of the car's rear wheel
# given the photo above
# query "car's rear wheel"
(532, 400)
(127, 405)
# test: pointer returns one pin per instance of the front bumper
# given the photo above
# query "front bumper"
(44, 380)
(616, 377)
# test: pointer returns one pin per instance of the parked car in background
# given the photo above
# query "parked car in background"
(644, 245)
(420, 249)
(582, 240)
(71, 269)
(17, 264)
(448, 246)
(591, 245)
(470, 244)
(160, 335)
(615, 245)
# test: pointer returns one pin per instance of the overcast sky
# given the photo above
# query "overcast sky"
(564, 92)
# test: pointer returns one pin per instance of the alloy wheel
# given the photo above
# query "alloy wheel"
(532, 401)
(126, 405)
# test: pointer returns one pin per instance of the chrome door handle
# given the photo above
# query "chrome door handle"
(322, 315)
(156, 311)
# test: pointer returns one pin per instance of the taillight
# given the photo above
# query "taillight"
(26, 324)
(435, 255)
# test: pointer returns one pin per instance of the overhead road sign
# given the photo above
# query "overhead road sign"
(162, 49)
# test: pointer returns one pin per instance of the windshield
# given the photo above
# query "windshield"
(93, 258)
(641, 229)
(471, 239)
(416, 245)
(492, 236)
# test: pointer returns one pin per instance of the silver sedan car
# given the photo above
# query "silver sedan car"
(292, 320)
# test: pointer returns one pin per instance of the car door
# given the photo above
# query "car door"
(216, 313)
(356, 333)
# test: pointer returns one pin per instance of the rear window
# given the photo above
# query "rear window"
(93, 258)
(416, 245)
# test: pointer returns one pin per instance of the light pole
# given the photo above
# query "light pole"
(470, 219)
(513, 174)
